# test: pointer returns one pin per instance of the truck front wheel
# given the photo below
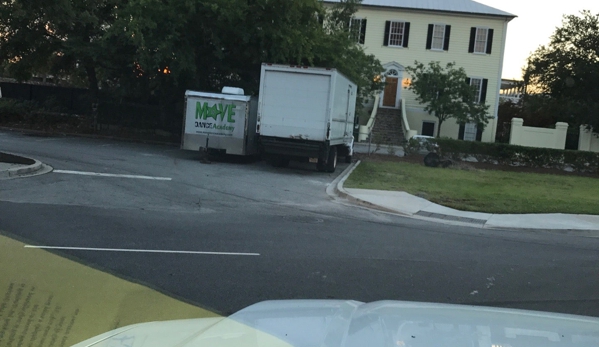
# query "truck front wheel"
(332, 160)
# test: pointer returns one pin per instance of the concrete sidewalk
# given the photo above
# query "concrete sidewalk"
(413, 206)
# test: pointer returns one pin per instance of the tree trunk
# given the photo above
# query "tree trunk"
(439, 127)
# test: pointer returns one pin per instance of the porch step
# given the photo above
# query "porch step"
(387, 127)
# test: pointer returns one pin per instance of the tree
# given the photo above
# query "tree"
(337, 48)
(208, 44)
(567, 70)
(58, 37)
(212, 43)
(150, 51)
(446, 94)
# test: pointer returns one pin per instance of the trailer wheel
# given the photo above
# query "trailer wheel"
(332, 161)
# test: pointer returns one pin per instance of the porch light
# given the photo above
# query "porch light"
(406, 82)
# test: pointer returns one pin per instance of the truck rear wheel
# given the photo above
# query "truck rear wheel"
(332, 161)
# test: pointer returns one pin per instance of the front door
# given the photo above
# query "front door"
(390, 93)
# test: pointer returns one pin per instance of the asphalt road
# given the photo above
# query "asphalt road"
(300, 242)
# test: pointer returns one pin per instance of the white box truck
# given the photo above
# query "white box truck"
(222, 123)
(305, 114)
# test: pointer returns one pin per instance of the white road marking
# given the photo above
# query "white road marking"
(139, 250)
(46, 140)
(85, 173)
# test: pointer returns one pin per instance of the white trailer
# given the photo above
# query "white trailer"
(223, 123)
(305, 114)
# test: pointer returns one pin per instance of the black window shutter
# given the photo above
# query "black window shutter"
(406, 34)
(461, 132)
(489, 41)
(363, 31)
(472, 37)
(479, 133)
(483, 92)
(387, 28)
(447, 34)
(429, 36)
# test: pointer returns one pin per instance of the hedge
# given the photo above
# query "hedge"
(12, 110)
(29, 112)
(506, 154)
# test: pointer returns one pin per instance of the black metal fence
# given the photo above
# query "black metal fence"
(108, 113)
(63, 99)
(140, 116)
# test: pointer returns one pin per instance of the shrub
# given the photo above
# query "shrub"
(420, 146)
(12, 110)
(506, 154)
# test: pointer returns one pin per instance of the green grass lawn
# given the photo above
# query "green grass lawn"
(483, 190)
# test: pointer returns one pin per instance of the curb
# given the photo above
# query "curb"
(90, 136)
(336, 189)
(20, 171)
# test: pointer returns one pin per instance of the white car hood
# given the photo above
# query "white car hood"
(338, 323)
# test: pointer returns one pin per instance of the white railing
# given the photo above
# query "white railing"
(365, 130)
(408, 133)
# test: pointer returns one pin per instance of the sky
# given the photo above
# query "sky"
(536, 22)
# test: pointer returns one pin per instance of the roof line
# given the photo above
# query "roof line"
(512, 16)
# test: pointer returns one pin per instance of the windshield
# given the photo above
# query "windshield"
(298, 172)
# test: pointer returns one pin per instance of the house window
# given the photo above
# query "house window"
(480, 86)
(477, 83)
(428, 128)
(438, 37)
(357, 29)
(481, 40)
(470, 131)
(392, 73)
(396, 34)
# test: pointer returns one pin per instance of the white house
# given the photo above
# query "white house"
(399, 32)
